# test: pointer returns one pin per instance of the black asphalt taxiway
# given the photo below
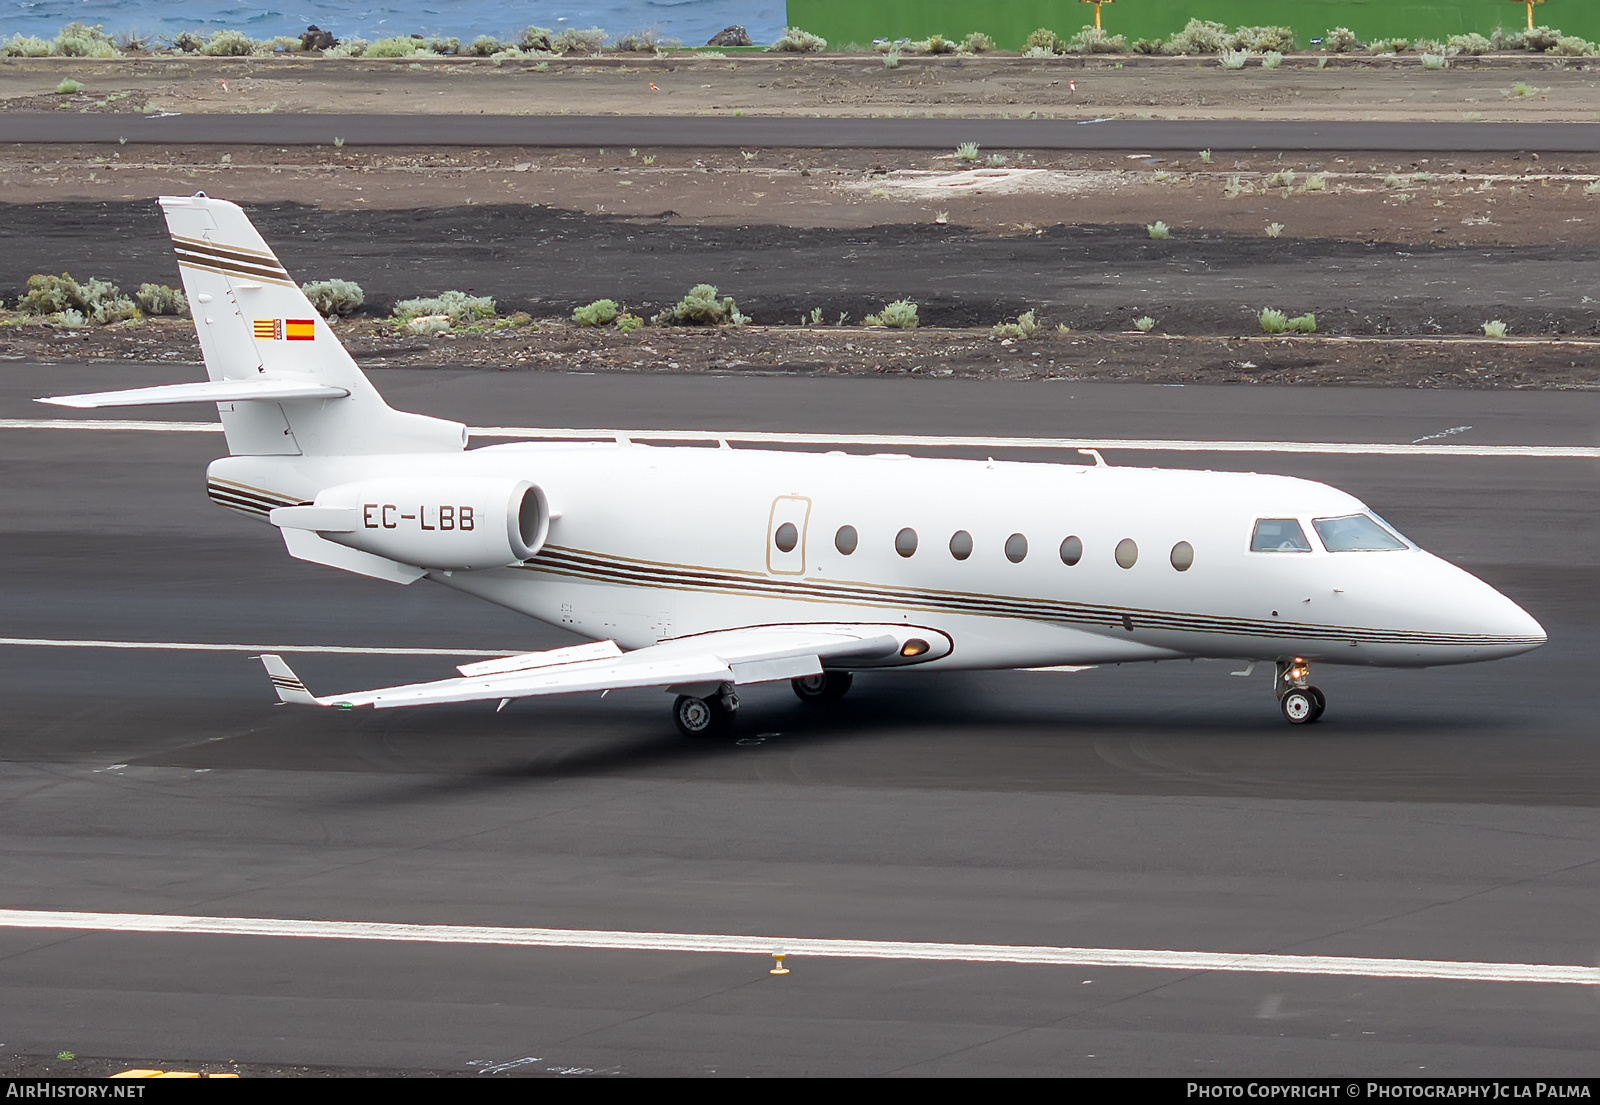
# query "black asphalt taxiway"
(1446, 814)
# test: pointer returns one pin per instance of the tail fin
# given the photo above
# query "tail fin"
(286, 682)
(281, 380)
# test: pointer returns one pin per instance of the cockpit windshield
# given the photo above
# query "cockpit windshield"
(1278, 535)
(1356, 533)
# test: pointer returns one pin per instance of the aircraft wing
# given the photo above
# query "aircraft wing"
(756, 654)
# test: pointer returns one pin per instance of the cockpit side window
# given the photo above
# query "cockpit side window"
(1356, 533)
(1278, 535)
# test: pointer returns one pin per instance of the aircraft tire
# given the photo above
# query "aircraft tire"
(699, 718)
(1320, 699)
(830, 686)
(1299, 707)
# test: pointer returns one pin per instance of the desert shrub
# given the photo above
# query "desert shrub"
(899, 315)
(1305, 324)
(639, 41)
(1572, 46)
(967, 151)
(428, 324)
(1092, 40)
(458, 307)
(436, 45)
(98, 301)
(1159, 231)
(598, 313)
(1272, 321)
(483, 46)
(79, 41)
(349, 48)
(701, 307)
(1233, 59)
(795, 41)
(1540, 38)
(1495, 329)
(400, 46)
(1468, 44)
(1026, 326)
(1201, 36)
(541, 39)
(1435, 61)
(1340, 40)
(1426, 46)
(186, 42)
(1271, 59)
(591, 40)
(68, 86)
(1043, 39)
(1144, 324)
(629, 323)
(18, 46)
(935, 44)
(335, 297)
(227, 44)
(1316, 182)
(71, 319)
(1147, 46)
(1261, 39)
(1283, 178)
(977, 43)
(159, 299)
(891, 60)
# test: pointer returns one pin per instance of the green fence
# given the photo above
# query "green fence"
(1008, 22)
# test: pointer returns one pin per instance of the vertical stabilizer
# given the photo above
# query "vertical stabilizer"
(254, 323)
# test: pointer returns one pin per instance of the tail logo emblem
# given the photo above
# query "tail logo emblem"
(285, 329)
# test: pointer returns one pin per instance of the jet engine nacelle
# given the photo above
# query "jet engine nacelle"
(446, 523)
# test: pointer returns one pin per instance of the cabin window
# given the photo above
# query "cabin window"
(845, 540)
(905, 542)
(1016, 548)
(1071, 551)
(1127, 553)
(1182, 556)
(786, 537)
(1356, 533)
(1278, 535)
(961, 544)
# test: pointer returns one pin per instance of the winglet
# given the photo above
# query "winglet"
(287, 683)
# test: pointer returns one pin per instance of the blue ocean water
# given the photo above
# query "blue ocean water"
(693, 21)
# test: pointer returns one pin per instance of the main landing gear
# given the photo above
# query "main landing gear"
(830, 686)
(1300, 702)
(711, 716)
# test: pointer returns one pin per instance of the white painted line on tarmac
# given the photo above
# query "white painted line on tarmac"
(903, 441)
(192, 646)
(599, 939)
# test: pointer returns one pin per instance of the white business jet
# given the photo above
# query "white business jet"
(701, 570)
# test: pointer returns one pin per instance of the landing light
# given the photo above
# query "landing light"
(914, 647)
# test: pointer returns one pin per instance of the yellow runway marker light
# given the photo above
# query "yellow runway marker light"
(777, 967)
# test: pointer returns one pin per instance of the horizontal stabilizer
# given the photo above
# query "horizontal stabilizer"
(303, 544)
(209, 391)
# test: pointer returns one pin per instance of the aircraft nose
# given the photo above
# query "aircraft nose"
(1505, 618)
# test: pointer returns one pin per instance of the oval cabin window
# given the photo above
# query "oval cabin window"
(961, 544)
(845, 540)
(905, 542)
(1182, 556)
(1016, 548)
(1071, 551)
(786, 537)
(1127, 553)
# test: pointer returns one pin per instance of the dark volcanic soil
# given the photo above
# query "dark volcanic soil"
(1096, 278)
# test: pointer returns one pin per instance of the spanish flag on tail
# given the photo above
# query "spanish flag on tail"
(285, 329)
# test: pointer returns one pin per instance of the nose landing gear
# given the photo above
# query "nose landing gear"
(1300, 703)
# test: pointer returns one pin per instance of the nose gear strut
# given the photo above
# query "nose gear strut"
(1299, 701)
